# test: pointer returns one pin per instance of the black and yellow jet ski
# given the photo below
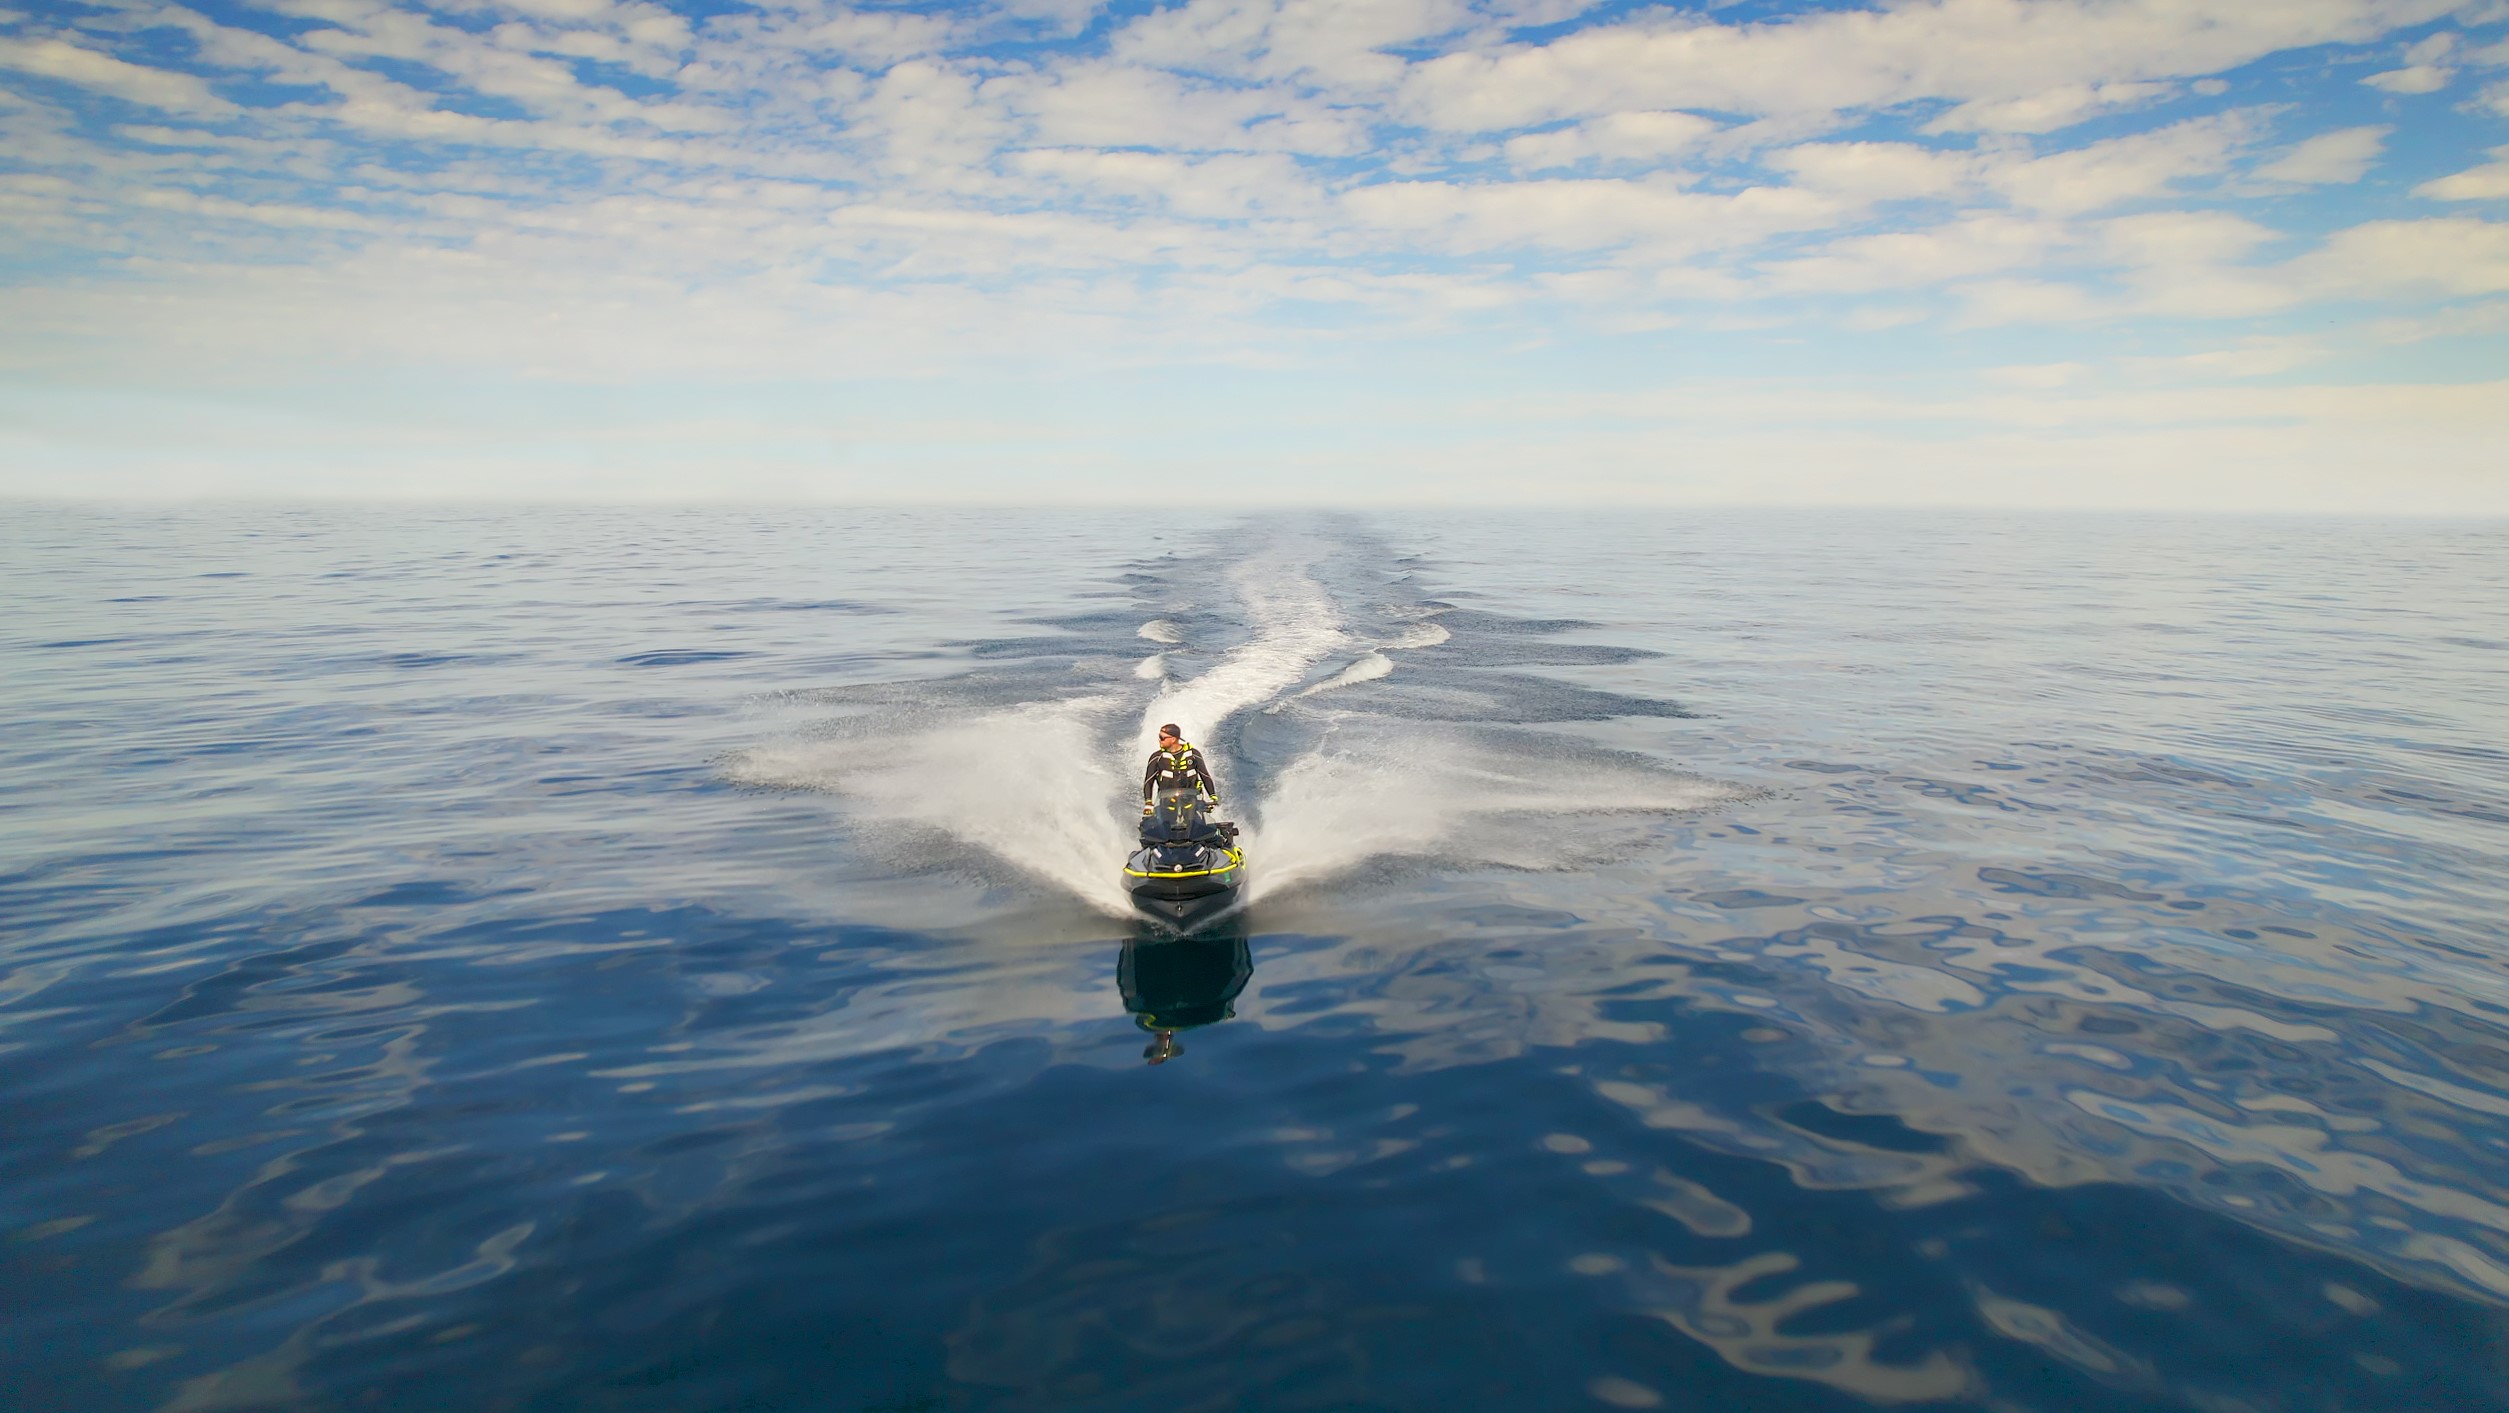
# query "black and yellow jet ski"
(1188, 868)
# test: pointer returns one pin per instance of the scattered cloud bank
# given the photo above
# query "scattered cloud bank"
(301, 206)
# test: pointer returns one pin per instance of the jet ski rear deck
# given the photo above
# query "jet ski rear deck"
(1189, 866)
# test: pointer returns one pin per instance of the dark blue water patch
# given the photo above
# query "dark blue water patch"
(1738, 898)
(1466, 620)
(1469, 696)
(704, 1210)
(1965, 793)
(1059, 645)
(2269, 821)
(1825, 767)
(2052, 884)
(1124, 622)
(86, 642)
(840, 606)
(421, 661)
(998, 683)
(665, 709)
(140, 598)
(1514, 915)
(426, 893)
(682, 657)
(1517, 652)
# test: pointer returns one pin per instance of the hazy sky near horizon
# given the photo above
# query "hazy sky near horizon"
(2227, 254)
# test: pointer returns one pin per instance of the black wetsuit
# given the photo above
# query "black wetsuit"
(1176, 770)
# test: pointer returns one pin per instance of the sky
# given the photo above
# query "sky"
(2246, 255)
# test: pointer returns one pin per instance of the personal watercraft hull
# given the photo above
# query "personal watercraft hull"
(1177, 885)
(1188, 868)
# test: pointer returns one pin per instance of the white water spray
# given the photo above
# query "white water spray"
(1046, 787)
(1027, 785)
(1366, 669)
(1439, 793)
(1295, 626)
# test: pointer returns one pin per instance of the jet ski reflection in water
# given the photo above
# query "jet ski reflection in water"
(1188, 868)
(1173, 983)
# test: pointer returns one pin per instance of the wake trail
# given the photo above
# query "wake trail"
(1374, 666)
(1049, 787)
(1449, 796)
(1026, 785)
(1296, 625)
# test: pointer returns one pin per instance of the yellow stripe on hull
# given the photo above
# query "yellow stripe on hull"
(1236, 861)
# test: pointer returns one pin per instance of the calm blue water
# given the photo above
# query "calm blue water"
(672, 960)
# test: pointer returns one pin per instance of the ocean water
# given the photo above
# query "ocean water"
(460, 959)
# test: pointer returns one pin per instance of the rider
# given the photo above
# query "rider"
(1174, 766)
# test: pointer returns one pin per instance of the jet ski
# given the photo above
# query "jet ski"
(1188, 866)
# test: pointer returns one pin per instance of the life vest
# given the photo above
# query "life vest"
(1177, 773)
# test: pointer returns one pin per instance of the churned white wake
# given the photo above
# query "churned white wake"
(1295, 627)
(1049, 787)
(1042, 786)
(1366, 669)
(1030, 785)
(1373, 666)
(1448, 796)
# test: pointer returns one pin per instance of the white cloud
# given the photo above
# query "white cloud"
(1220, 188)
(2463, 321)
(1337, 43)
(1584, 215)
(2252, 358)
(2046, 111)
(1986, 52)
(2330, 158)
(1094, 104)
(1876, 318)
(927, 122)
(70, 63)
(1877, 171)
(1991, 302)
(2188, 265)
(1617, 137)
(2417, 78)
(877, 38)
(2430, 48)
(2489, 182)
(2180, 238)
(2448, 256)
(1962, 249)
(2120, 169)
(2421, 72)
(2036, 375)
